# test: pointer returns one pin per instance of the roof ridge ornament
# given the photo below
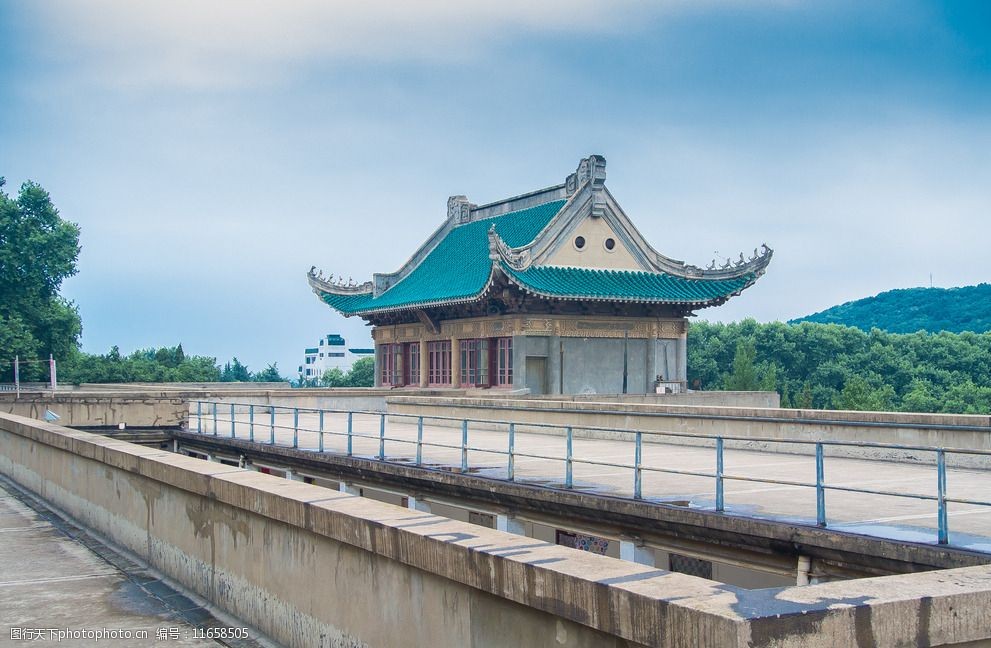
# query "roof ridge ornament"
(498, 249)
(459, 209)
(757, 263)
(339, 286)
(590, 169)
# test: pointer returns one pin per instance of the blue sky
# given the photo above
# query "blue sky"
(213, 152)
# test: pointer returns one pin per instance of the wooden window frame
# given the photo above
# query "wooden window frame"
(439, 363)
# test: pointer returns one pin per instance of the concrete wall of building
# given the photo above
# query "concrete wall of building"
(554, 354)
(93, 410)
(309, 566)
(757, 428)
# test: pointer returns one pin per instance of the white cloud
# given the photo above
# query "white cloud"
(200, 43)
(236, 42)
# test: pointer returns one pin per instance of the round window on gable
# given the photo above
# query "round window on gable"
(580, 242)
(610, 244)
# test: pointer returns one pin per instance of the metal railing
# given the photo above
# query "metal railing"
(208, 420)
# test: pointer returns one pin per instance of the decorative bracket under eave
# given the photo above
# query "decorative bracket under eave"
(432, 325)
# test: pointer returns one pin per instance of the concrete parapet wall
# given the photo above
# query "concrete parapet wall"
(704, 398)
(313, 567)
(100, 410)
(758, 428)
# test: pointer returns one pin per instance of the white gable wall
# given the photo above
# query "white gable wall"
(595, 231)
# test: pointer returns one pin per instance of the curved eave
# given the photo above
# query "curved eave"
(410, 306)
(630, 299)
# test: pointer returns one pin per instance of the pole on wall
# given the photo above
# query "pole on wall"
(17, 375)
(626, 357)
(51, 370)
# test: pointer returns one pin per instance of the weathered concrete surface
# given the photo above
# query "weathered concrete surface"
(761, 426)
(699, 398)
(747, 540)
(312, 567)
(52, 577)
(95, 410)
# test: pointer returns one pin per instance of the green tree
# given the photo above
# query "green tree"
(769, 377)
(333, 377)
(362, 373)
(234, 371)
(744, 375)
(859, 394)
(920, 398)
(38, 250)
(269, 374)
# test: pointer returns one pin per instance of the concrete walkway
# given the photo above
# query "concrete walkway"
(60, 585)
(881, 515)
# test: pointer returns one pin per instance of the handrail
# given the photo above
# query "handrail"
(208, 423)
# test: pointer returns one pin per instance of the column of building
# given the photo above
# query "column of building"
(455, 361)
(424, 364)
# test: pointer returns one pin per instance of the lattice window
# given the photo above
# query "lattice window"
(439, 358)
(413, 363)
(504, 363)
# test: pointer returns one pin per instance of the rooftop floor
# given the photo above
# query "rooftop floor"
(57, 578)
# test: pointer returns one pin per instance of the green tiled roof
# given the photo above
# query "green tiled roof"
(625, 285)
(458, 267)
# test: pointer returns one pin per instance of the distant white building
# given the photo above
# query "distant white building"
(332, 352)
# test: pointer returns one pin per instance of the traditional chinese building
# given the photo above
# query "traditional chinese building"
(553, 290)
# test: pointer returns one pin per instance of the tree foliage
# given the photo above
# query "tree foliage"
(167, 364)
(915, 309)
(361, 374)
(838, 367)
(38, 250)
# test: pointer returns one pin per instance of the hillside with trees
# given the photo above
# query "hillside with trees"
(828, 366)
(915, 309)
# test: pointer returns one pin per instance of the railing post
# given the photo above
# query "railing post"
(820, 489)
(271, 438)
(215, 419)
(511, 468)
(419, 440)
(464, 445)
(381, 437)
(638, 467)
(568, 460)
(199, 417)
(320, 446)
(233, 433)
(251, 423)
(719, 473)
(350, 432)
(942, 522)
(295, 427)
